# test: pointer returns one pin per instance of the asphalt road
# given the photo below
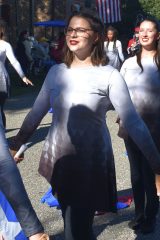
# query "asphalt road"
(106, 227)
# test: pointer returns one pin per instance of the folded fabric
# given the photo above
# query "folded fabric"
(51, 201)
(9, 225)
(124, 201)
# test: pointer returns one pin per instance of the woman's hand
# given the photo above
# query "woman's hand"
(17, 159)
(14, 146)
(157, 178)
(27, 81)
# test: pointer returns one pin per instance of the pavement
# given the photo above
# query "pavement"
(106, 227)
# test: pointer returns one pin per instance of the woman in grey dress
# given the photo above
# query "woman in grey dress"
(6, 51)
(11, 185)
(77, 157)
(113, 48)
(142, 75)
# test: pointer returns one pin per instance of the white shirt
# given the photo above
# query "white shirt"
(6, 51)
(115, 54)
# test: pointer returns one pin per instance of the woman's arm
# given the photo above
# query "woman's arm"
(38, 111)
(120, 51)
(11, 57)
(136, 128)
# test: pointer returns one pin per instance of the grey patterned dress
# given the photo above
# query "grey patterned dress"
(4, 81)
(144, 88)
(114, 53)
(77, 156)
(6, 51)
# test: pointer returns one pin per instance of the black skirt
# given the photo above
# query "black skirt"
(81, 182)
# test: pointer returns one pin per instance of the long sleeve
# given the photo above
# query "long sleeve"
(123, 69)
(38, 111)
(136, 128)
(120, 51)
(11, 57)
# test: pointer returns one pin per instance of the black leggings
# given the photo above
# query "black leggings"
(78, 223)
(143, 183)
(3, 98)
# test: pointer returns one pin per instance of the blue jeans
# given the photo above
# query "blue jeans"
(12, 186)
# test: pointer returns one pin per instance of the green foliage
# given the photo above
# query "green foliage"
(132, 9)
(151, 7)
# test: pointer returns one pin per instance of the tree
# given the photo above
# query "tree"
(88, 3)
(151, 7)
(130, 11)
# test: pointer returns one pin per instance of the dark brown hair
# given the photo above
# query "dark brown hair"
(115, 34)
(157, 55)
(98, 55)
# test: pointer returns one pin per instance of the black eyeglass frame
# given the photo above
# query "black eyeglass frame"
(84, 30)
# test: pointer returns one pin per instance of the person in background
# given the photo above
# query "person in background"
(133, 44)
(77, 157)
(142, 76)
(56, 48)
(113, 48)
(12, 186)
(44, 43)
(23, 51)
(40, 54)
(6, 51)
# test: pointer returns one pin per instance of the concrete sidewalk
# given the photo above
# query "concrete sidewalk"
(108, 226)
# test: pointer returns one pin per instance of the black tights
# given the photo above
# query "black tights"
(2, 102)
(143, 183)
(78, 223)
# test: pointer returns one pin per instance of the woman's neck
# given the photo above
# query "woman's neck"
(148, 53)
(77, 62)
(110, 41)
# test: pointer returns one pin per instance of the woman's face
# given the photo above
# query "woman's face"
(80, 38)
(110, 35)
(148, 34)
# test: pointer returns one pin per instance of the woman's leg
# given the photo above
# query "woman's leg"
(152, 200)
(78, 223)
(12, 186)
(135, 160)
(2, 102)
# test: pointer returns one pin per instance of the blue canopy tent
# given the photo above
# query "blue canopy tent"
(51, 23)
(55, 26)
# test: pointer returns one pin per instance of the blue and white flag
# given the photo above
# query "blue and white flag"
(109, 10)
(10, 228)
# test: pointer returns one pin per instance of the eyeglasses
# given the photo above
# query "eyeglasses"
(80, 32)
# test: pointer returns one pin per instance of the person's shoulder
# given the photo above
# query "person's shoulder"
(5, 43)
(112, 74)
(118, 42)
(57, 67)
(130, 63)
(107, 70)
(131, 60)
(106, 67)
